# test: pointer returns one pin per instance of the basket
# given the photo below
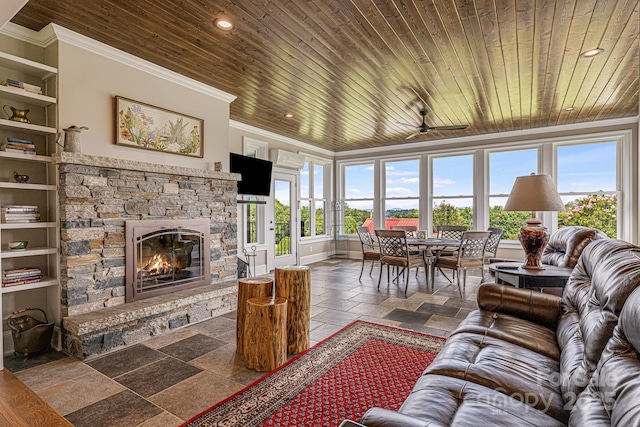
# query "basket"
(30, 335)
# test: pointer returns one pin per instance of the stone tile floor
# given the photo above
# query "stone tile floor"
(168, 379)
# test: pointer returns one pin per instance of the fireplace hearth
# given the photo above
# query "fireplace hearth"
(164, 256)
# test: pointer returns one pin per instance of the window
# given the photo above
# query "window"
(253, 214)
(358, 196)
(587, 182)
(504, 167)
(402, 193)
(452, 191)
(313, 200)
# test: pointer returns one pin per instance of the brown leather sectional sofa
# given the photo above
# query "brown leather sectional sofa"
(527, 358)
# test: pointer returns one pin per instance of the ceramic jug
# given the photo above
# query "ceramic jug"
(16, 115)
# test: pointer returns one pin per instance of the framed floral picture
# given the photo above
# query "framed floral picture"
(145, 126)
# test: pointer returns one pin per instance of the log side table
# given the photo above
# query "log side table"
(265, 333)
(294, 283)
(249, 288)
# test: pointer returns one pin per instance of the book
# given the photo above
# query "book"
(22, 282)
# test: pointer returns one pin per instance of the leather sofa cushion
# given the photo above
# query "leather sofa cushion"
(504, 367)
(606, 274)
(511, 329)
(612, 397)
(566, 244)
(445, 401)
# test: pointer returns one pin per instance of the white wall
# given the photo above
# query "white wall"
(92, 74)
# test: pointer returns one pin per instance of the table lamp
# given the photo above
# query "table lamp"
(534, 193)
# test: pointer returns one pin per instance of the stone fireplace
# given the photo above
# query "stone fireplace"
(99, 199)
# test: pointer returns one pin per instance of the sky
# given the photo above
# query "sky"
(581, 168)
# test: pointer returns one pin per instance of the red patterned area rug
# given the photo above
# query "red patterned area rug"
(361, 366)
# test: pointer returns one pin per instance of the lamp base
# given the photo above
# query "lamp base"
(533, 238)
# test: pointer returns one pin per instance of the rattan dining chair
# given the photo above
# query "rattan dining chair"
(470, 254)
(370, 250)
(395, 252)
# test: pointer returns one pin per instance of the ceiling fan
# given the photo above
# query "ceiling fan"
(424, 128)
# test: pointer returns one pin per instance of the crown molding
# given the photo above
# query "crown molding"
(268, 134)
(464, 142)
(78, 40)
(52, 33)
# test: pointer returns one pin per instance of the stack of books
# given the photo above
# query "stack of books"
(17, 214)
(15, 145)
(21, 276)
(22, 85)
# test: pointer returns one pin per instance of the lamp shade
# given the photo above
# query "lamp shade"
(534, 193)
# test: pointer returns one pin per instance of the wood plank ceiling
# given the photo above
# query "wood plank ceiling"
(356, 73)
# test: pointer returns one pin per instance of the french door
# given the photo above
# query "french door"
(284, 222)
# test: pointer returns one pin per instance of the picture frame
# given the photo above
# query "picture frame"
(141, 125)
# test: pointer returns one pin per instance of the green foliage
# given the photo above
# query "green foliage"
(507, 220)
(596, 211)
(447, 214)
(354, 218)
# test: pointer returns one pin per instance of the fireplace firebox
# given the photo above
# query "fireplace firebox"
(164, 256)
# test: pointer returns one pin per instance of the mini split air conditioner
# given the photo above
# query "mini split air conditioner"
(286, 159)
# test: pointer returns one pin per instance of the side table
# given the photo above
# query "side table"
(512, 273)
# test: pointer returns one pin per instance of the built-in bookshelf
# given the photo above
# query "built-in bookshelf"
(26, 148)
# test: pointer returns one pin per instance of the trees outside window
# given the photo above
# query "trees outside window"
(402, 191)
(587, 182)
(504, 167)
(358, 196)
(452, 191)
(313, 201)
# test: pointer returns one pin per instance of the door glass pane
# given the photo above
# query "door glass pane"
(282, 206)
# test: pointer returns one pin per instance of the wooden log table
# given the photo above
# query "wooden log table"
(265, 333)
(294, 284)
(249, 288)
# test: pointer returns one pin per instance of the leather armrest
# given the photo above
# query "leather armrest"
(387, 418)
(537, 307)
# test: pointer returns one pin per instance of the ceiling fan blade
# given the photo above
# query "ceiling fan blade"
(412, 135)
(456, 127)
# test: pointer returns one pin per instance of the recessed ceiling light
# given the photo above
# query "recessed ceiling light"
(223, 24)
(288, 116)
(569, 109)
(591, 52)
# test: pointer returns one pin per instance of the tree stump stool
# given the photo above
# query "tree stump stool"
(249, 288)
(265, 333)
(294, 283)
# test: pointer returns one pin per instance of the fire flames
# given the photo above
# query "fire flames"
(157, 265)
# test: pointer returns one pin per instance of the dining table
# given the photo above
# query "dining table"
(432, 248)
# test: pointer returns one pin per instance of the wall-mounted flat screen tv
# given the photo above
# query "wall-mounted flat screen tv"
(256, 174)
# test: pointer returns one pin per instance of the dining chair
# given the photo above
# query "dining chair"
(394, 251)
(492, 245)
(450, 232)
(469, 254)
(410, 230)
(370, 250)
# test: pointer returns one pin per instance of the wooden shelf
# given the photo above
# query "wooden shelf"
(17, 94)
(21, 225)
(27, 127)
(8, 253)
(26, 186)
(26, 66)
(44, 283)
(26, 157)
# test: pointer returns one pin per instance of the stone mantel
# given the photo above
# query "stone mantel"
(110, 162)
